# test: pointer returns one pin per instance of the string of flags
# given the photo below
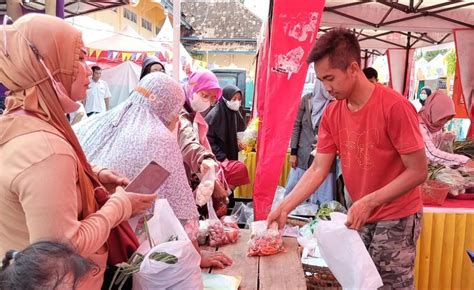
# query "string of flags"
(126, 56)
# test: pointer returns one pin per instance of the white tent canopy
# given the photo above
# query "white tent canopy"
(426, 22)
(92, 30)
(126, 40)
(122, 79)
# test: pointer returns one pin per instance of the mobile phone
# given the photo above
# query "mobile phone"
(149, 179)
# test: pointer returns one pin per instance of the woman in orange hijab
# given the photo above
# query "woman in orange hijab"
(48, 191)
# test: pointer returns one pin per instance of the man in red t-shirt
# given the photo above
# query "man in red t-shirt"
(376, 133)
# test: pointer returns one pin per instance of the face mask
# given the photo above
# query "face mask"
(233, 105)
(199, 105)
(423, 97)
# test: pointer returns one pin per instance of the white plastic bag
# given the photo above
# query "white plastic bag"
(346, 255)
(453, 178)
(169, 236)
(185, 274)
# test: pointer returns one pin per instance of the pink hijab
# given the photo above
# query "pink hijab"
(202, 80)
(438, 106)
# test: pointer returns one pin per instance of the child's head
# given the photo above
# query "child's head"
(43, 265)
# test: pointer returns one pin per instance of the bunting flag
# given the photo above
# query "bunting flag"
(110, 55)
(97, 53)
(281, 75)
(134, 56)
(115, 55)
(150, 54)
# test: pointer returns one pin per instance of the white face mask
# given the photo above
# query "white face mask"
(423, 97)
(199, 105)
(233, 105)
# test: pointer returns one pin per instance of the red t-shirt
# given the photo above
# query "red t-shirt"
(370, 142)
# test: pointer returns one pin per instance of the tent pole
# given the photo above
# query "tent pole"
(366, 57)
(408, 47)
(176, 37)
(60, 8)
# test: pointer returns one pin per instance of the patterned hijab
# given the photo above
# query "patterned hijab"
(34, 40)
(438, 106)
(132, 134)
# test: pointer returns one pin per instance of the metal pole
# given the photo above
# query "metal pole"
(406, 62)
(176, 37)
(50, 7)
(60, 8)
(14, 9)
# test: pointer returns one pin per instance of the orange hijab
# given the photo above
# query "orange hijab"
(437, 106)
(59, 44)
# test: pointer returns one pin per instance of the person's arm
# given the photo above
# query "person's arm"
(415, 174)
(312, 178)
(295, 136)
(50, 199)
(438, 156)
(193, 152)
(107, 96)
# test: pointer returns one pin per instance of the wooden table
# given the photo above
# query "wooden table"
(281, 271)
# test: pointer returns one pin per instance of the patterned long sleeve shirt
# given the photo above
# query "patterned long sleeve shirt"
(435, 155)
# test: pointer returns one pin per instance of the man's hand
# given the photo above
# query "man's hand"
(278, 215)
(293, 161)
(359, 214)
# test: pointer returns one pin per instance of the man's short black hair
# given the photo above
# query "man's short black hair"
(96, 68)
(370, 72)
(340, 45)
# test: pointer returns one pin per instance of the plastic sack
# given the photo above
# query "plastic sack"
(220, 282)
(206, 187)
(248, 138)
(219, 234)
(306, 209)
(346, 255)
(307, 239)
(203, 232)
(264, 241)
(169, 236)
(244, 213)
(185, 274)
(453, 178)
(279, 195)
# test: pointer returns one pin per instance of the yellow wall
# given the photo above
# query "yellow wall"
(156, 16)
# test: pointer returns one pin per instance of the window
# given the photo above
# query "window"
(146, 24)
(129, 15)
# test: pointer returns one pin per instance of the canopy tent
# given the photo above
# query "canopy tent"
(126, 40)
(122, 79)
(399, 27)
(92, 30)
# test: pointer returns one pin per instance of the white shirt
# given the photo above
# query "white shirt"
(96, 95)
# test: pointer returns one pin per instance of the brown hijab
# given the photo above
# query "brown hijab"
(438, 106)
(59, 44)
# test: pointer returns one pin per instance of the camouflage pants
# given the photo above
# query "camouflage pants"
(392, 246)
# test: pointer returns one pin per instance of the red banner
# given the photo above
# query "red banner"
(458, 99)
(293, 30)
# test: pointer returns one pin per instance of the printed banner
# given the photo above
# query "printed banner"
(280, 78)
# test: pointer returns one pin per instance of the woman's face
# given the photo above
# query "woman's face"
(207, 96)
(237, 97)
(81, 82)
(443, 121)
(157, 68)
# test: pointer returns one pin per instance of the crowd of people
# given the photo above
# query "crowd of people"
(61, 188)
